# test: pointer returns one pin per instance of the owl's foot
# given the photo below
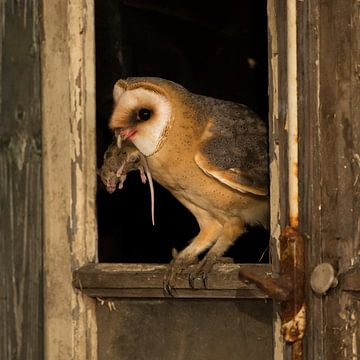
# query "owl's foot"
(178, 264)
(204, 267)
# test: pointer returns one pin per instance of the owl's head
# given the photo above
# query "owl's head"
(142, 114)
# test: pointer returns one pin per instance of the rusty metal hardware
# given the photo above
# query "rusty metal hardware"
(323, 278)
(288, 287)
(350, 281)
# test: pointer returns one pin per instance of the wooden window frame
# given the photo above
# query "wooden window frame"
(69, 172)
(69, 176)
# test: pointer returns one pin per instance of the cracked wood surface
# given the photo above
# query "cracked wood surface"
(68, 85)
(146, 280)
(21, 316)
(330, 169)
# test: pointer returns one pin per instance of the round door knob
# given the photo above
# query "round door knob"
(323, 278)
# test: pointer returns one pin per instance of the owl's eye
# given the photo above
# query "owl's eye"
(144, 114)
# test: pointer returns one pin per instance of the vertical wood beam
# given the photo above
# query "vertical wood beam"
(330, 169)
(277, 147)
(21, 317)
(292, 112)
(68, 78)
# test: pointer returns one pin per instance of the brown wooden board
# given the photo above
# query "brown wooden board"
(146, 280)
(184, 329)
(277, 22)
(69, 175)
(21, 301)
(329, 34)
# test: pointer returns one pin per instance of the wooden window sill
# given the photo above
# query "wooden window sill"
(146, 281)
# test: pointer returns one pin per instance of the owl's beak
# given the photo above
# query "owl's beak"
(123, 134)
(128, 133)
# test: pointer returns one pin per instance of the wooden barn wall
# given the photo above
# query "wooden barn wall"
(329, 74)
(21, 318)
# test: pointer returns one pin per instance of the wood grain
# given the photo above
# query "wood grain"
(69, 175)
(278, 148)
(21, 317)
(210, 329)
(329, 171)
(146, 280)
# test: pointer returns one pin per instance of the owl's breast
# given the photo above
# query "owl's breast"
(175, 173)
(194, 189)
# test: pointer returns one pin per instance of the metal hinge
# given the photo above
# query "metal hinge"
(288, 288)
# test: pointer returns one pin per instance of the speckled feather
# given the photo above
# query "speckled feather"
(234, 149)
(236, 144)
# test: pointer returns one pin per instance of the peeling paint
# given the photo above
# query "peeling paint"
(73, 217)
(357, 159)
(275, 171)
(292, 85)
(294, 329)
(17, 147)
(69, 141)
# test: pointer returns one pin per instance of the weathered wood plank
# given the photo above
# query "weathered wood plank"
(330, 148)
(68, 86)
(177, 294)
(310, 168)
(277, 146)
(146, 280)
(184, 329)
(21, 317)
(350, 281)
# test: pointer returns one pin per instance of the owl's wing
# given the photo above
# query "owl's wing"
(233, 147)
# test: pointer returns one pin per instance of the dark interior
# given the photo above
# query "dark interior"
(217, 49)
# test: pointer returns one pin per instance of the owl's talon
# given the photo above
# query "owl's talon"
(176, 267)
(198, 274)
(205, 266)
(168, 290)
(191, 280)
(169, 283)
(170, 276)
(204, 280)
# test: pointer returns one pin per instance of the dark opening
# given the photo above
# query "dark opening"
(213, 48)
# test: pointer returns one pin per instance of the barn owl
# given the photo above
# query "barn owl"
(210, 154)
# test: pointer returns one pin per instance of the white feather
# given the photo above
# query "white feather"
(117, 92)
(150, 132)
